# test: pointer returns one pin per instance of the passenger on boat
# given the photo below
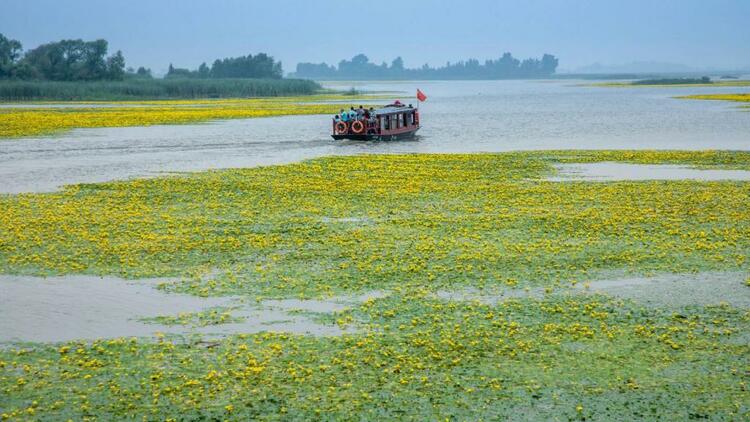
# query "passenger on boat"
(352, 114)
(344, 116)
(336, 119)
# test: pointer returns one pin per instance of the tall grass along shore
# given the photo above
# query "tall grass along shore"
(152, 89)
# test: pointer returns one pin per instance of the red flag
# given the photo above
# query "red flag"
(420, 95)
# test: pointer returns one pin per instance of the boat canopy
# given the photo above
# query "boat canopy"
(392, 109)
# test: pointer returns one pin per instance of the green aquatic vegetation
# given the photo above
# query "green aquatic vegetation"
(741, 98)
(707, 159)
(34, 121)
(350, 224)
(674, 81)
(213, 316)
(738, 82)
(409, 225)
(558, 357)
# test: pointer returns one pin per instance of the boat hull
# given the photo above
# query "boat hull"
(375, 137)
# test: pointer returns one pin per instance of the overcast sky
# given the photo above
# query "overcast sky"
(697, 33)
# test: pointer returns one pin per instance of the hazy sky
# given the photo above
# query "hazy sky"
(698, 33)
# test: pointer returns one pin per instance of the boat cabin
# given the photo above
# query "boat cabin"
(394, 121)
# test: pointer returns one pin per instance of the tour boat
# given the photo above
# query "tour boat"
(394, 121)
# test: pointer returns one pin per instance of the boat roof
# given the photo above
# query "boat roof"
(393, 109)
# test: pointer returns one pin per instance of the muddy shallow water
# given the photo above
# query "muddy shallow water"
(67, 308)
(664, 290)
(677, 290)
(608, 171)
(459, 116)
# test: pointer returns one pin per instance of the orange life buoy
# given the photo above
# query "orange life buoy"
(341, 127)
(357, 126)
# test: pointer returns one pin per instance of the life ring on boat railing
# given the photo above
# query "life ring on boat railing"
(357, 126)
(341, 127)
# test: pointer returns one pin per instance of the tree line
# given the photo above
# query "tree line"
(66, 60)
(78, 60)
(360, 67)
(260, 66)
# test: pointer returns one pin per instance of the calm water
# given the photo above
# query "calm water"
(459, 116)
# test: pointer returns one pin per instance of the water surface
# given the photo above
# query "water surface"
(459, 116)
(79, 307)
(609, 171)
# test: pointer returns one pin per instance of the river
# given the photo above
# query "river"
(459, 116)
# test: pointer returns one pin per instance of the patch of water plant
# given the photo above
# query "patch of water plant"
(580, 357)
(212, 316)
(410, 226)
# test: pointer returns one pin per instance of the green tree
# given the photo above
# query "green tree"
(95, 67)
(398, 64)
(258, 66)
(116, 66)
(549, 64)
(143, 72)
(505, 67)
(203, 71)
(10, 52)
(74, 60)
